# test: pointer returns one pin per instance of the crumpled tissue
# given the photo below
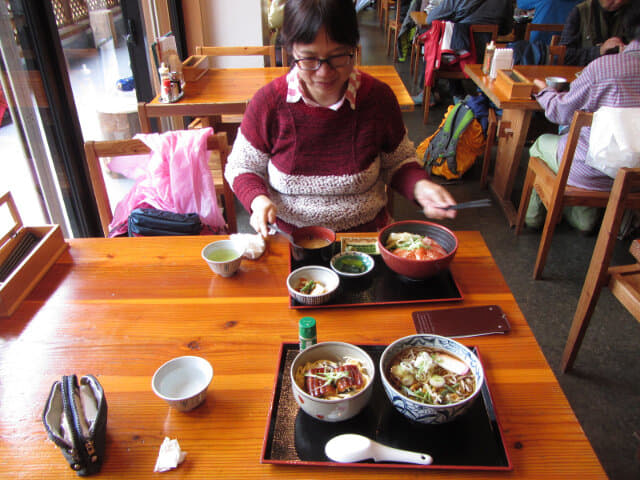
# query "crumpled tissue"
(169, 456)
(253, 245)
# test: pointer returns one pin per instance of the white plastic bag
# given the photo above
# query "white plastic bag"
(614, 141)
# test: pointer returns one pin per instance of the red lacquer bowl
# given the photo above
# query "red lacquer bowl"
(418, 269)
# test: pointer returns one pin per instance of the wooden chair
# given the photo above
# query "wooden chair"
(414, 57)
(542, 27)
(266, 51)
(95, 150)
(456, 74)
(383, 16)
(556, 51)
(394, 25)
(623, 281)
(554, 191)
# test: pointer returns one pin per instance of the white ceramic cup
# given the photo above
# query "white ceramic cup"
(183, 381)
(227, 267)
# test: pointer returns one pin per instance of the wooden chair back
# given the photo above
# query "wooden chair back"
(267, 51)
(95, 150)
(623, 281)
(554, 191)
(556, 51)
(542, 27)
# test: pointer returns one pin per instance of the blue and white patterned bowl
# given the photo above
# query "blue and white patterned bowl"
(420, 412)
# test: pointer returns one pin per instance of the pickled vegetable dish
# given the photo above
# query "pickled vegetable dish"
(414, 246)
(332, 380)
(432, 376)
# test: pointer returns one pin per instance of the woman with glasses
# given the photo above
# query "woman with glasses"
(319, 145)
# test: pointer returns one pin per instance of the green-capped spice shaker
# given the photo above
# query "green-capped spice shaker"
(307, 332)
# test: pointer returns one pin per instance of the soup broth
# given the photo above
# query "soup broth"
(313, 243)
(430, 375)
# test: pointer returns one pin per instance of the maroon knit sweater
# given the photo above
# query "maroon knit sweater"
(320, 166)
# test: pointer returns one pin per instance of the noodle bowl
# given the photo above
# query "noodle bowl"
(419, 386)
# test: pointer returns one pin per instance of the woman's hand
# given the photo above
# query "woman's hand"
(538, 85)
(433, 198)
(263, 212)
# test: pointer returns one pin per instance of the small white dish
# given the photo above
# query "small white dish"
(183, 381)
(323, 275)
(352, 264)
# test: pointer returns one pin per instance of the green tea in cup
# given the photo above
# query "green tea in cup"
(222, 255)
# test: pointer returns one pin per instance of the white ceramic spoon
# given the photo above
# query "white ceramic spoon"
(350, 448)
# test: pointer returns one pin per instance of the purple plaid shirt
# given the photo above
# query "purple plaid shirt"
(608, 81)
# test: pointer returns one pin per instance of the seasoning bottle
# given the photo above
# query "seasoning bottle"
(307, 332)
(489, 51)
(165, 84)
(176, 86)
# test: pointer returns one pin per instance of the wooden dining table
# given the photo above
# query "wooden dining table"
(226, 91)
(514, 125)
(119, 308)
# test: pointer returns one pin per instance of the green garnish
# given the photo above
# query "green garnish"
(308, 287)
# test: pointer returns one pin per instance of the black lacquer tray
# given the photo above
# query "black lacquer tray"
(384, 286)
(472, 441)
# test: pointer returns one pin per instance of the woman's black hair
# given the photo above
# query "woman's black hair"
(304, 18)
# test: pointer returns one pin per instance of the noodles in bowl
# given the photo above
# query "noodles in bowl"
(431, 376)
(430, 379)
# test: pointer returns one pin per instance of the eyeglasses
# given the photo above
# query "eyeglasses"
(334, 61)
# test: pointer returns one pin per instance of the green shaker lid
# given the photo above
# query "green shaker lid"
(307, 327)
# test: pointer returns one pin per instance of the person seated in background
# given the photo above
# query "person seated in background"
(595, 28)
(479, 12)
(549, 12)
(319, 145)
(608, 81)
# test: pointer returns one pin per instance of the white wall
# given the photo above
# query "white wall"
(231, 23)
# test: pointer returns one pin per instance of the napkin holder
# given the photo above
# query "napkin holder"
(513, 84)
(26, 254)
(194, 67)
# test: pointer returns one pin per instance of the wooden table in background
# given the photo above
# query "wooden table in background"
(119, 308)
(514, 125)
(226, 91)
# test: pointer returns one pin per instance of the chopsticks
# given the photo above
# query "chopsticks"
(485, 202)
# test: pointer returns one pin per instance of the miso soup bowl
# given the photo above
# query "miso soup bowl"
(313, 255)
(421, 412)
(332, 410)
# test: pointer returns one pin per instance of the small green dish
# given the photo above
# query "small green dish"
(352, 264)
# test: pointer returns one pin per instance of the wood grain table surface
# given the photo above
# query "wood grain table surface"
(226, 91)
(514, 125)
(120, 308)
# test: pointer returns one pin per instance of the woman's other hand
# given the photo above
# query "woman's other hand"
(433, 199)
(263, 212)
(538, 85)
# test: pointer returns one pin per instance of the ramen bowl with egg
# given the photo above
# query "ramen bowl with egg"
(430, 379)
(332, 381)
(313, 244)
